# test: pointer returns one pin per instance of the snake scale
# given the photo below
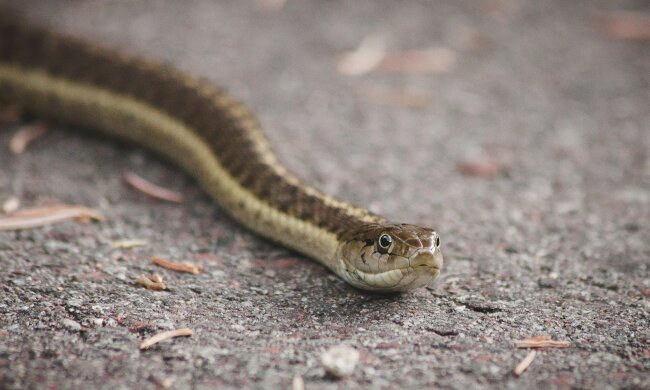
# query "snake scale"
(217, 141)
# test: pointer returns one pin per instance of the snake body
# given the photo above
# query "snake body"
(217, 141)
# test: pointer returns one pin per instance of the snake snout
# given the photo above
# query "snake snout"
(429, 258)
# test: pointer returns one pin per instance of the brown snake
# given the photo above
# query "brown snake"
(218, 142)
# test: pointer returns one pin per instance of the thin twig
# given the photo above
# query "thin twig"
(151, 189)
(127, 244)
(525, 363)
(181, 267)
(164, 336)
(542, 342)
(152, 282)
(42, 216)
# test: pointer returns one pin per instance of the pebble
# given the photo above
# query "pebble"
(340, 361)
(70, 324)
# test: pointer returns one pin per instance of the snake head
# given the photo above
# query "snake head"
(389, 257)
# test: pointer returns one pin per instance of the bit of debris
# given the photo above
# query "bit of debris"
(433, 60)
(127, 244)
(71, 324)
(165, 383)
(180, 267)
(340, 361)
(151, 282)
(25, 135)
(42, 216)
(148, 188)
(10, 205)
(542, 342)
(164, 336)
(298, 383)
(485, 168)
(371, 55)
(630, 26)
(525, 363)
(364, 58)
(393, 97)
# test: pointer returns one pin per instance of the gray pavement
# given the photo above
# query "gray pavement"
(556, 243)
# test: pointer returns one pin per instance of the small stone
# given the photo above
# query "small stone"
(97, 322)
(340, 361)
(237, 327)
(110, 323)
(70, 324)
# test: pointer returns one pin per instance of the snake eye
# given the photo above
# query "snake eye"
(384, 243)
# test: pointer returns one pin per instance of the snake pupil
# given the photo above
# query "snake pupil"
(385, 241)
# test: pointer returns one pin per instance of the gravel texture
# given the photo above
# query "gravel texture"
(555, 241)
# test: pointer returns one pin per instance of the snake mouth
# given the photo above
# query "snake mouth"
(424, 266)
(427, 258)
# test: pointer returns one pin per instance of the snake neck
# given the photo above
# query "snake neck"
(213, 137)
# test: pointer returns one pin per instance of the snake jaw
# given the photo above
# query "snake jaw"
(420, 269)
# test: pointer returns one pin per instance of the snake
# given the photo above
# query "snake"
(217, 140)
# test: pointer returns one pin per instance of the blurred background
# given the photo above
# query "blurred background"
(519, 129)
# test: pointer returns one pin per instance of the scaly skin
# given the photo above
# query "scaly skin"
(217, 141)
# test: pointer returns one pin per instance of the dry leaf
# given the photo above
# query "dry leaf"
(525, 363)
(151, 189)
(181, 267)
(364, 58)
(25, 135)
(164, 336)
(42, 216)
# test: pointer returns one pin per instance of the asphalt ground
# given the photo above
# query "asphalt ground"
(526, 144)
